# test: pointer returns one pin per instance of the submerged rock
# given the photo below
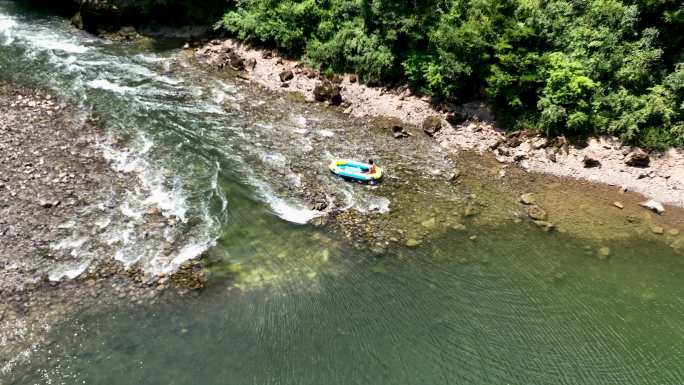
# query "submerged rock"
(469, 211)
(429, 224)
(411, 242)
(537, 213)
(527, 199)
(459, 227)
(618, 205)
(657, 230)
(604, 252)
(653, 205)
(547, 226)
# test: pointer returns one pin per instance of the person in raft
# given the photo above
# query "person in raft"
(373, 167)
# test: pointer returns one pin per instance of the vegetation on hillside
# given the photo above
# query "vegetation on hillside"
(562, 67)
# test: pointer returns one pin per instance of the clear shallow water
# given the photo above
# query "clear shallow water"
(292, 303)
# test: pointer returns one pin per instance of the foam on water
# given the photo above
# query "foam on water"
(104, 84)
(6, 26)
(285, 209)
(172, 202)
(165, 265)
(68, 271)
(54, 42)
(326, 133)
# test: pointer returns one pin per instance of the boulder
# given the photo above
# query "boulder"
(266, 54)
(654, 206)
(77, 20)
(286, 75)
(551, 154)
(432, 124)
(590, 159)
(352, 78)
(540, 142)
(236, 61)
(326, 91)
(513, 141)
(637, 158)
(250, 64)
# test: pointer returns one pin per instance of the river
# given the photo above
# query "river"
(432, 282)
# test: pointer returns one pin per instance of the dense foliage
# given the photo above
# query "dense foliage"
(574, 67)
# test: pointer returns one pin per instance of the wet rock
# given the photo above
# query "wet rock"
(326, 91)
(590, 160)
(319, 206)
(657, 230)
(399, 132)
(286, 75)
(637, 158)
(455, 175)
(618, 205)
(127, 33)
(46, 204)
(431, 125)
(527, 199)
(77, 20)
(653, 205)
(535, 212)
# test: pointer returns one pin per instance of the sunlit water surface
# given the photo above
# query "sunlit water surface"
(294, 303)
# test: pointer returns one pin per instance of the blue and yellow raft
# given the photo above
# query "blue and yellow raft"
(358, 171)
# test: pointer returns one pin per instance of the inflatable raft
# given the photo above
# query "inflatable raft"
(358, 171)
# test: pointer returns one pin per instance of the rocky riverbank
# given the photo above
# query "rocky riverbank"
(659, 176)
(55, 188)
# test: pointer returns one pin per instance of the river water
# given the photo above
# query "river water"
(409, 297)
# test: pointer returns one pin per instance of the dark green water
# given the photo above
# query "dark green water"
(292, 303)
